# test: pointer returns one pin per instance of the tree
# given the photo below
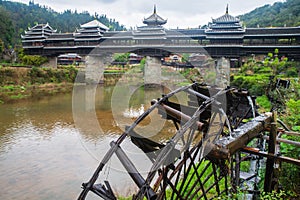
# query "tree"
(1, 46)
(22, 16)
(6, 27)
(121, 57)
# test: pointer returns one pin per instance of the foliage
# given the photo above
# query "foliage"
(18, 17)
(185, 57)
(194, 74)
(1, 47)
(255, 75)
(277, 65)
(121, 57)
(263, 103)
(113, 71)
(33, 60)
(6, 28)
(47, 75)
(276, 195)
(279, 14)
(293, 112)
(255, 84)
(142, 64)
(260, 78)
(207, 180)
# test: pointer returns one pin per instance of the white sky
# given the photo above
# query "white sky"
(181, 14)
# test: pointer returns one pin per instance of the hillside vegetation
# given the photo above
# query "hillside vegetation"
(17, 17)
(277, 15)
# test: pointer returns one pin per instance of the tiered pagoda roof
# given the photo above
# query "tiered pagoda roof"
(38, 32)
(225, 19)
(154, 30)
(94, 24)
(225, 23)
(154, 19)
(92, 30)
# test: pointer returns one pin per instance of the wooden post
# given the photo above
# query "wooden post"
(237, 169)
(269, 174)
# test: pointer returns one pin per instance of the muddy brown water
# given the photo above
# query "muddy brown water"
(45, 155)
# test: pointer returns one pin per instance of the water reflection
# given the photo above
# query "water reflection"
(43, 155)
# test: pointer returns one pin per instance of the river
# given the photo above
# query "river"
(44, 154)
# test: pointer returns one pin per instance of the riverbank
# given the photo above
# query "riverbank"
(18, 83)
(15, 93)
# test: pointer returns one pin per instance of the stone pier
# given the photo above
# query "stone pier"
(52, 62)
(223, 73)
(94, 69)
(152, 71)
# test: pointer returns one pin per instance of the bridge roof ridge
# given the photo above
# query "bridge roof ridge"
(94, 24)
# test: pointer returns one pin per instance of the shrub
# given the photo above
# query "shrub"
(34, 60)
(293, 112)
(256, 84)
(264, 103)
(292, 72)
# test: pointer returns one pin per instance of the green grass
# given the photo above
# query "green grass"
(264, 103)
(18, 96)
(110, 71)
(207, 179)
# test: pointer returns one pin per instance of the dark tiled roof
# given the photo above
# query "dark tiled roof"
(154, 19)
(226, 19)
(270, 31)
(94, 24)
(42, 27)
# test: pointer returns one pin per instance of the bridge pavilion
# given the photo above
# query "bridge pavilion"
(225, 36)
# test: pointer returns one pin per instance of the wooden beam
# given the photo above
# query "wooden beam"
(177, 115)
(245, 133)
(284, 141)
(291, 133)
(269, 173)
(256, 151)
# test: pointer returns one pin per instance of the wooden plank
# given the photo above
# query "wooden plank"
(284, 141)
(256, 151)
(269, 173)
(244, 134)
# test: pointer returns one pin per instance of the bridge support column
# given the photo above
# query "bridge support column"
(52, 62)
(94, 69)
(223, 73)
(152, 71)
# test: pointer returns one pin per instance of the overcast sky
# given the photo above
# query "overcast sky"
(179, 13)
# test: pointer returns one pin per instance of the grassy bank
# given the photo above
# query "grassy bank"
(17, 83)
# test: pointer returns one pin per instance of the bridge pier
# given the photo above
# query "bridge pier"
(223, 72)
(52, 62)
(152, 71)
(94, 69)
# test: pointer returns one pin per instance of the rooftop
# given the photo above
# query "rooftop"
(226, 18)
(94, 24)
(154, 19)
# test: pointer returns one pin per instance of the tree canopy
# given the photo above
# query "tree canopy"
(18, 17)
(6, 28)
(277, 15)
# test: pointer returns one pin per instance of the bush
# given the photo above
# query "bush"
(264, 103)
(255, 84)
(293, 112)
(34, 60)
(292, 72)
